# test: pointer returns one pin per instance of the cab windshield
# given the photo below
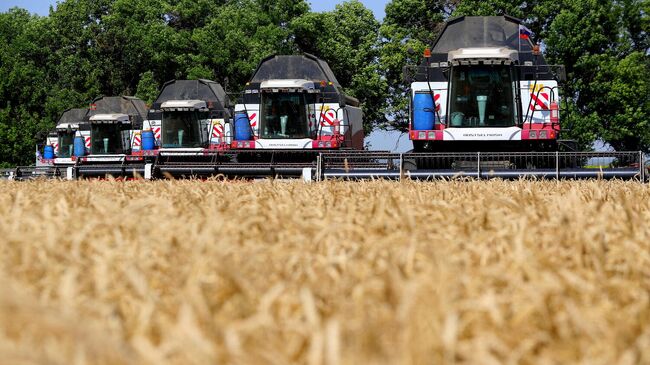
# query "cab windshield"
(482, 96)
(181, 129)
(66, 143)
(106, 139)
(284, 116)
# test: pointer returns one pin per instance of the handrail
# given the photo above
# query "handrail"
(557, 165)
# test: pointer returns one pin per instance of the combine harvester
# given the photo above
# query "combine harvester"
(114, 125)
(484, 103)
(55, 156)
(58, 151)
(191, 124)
(292, 110)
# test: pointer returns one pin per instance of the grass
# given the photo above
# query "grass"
(190, 272)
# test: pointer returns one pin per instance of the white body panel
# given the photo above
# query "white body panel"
(156, 127)
(136, 140)
(305, 143)
(105, 158)
(542, 113)
(184, 104)
(181, 151)
(438, 88)
(482, 134)
(288, 84)
(219, 131)
(54, 142)
(326, 117)
(86, 135)
(121, 118)
(483, 53)
(65, 126)
(63, 161)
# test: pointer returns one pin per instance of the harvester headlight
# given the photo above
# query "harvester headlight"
(320, 144)
(432, 135)
(533, 135)
(422, 135)
(328, 144)
(543, 134)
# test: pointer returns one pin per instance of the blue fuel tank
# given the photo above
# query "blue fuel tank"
(424, 112)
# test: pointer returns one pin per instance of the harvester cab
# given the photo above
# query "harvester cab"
(65, 141)
(183, 124)
(117, 120)
(189, 116)
(110, 135)
(296, 103)
(484, 86)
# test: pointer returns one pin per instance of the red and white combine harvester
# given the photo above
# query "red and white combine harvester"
(114, 124)
(190, 116)
(485, 103)
(292, 109)
(484, 86)
(59, 149)
(191, 124)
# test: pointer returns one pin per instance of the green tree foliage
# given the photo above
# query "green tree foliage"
(409, 27)
(24, 84)
(604, 46)
(234, 41)
(147, 89)
(347, 39)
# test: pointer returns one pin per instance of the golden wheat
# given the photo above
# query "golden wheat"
(190, 272)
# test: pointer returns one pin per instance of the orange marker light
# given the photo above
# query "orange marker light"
(427, 52)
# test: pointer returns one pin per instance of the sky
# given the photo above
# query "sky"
(42, 7)
(377, 6)
(379, 140)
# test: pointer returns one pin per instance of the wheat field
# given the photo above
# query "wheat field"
(274, 272)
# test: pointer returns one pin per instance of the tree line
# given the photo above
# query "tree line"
(87, 48)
